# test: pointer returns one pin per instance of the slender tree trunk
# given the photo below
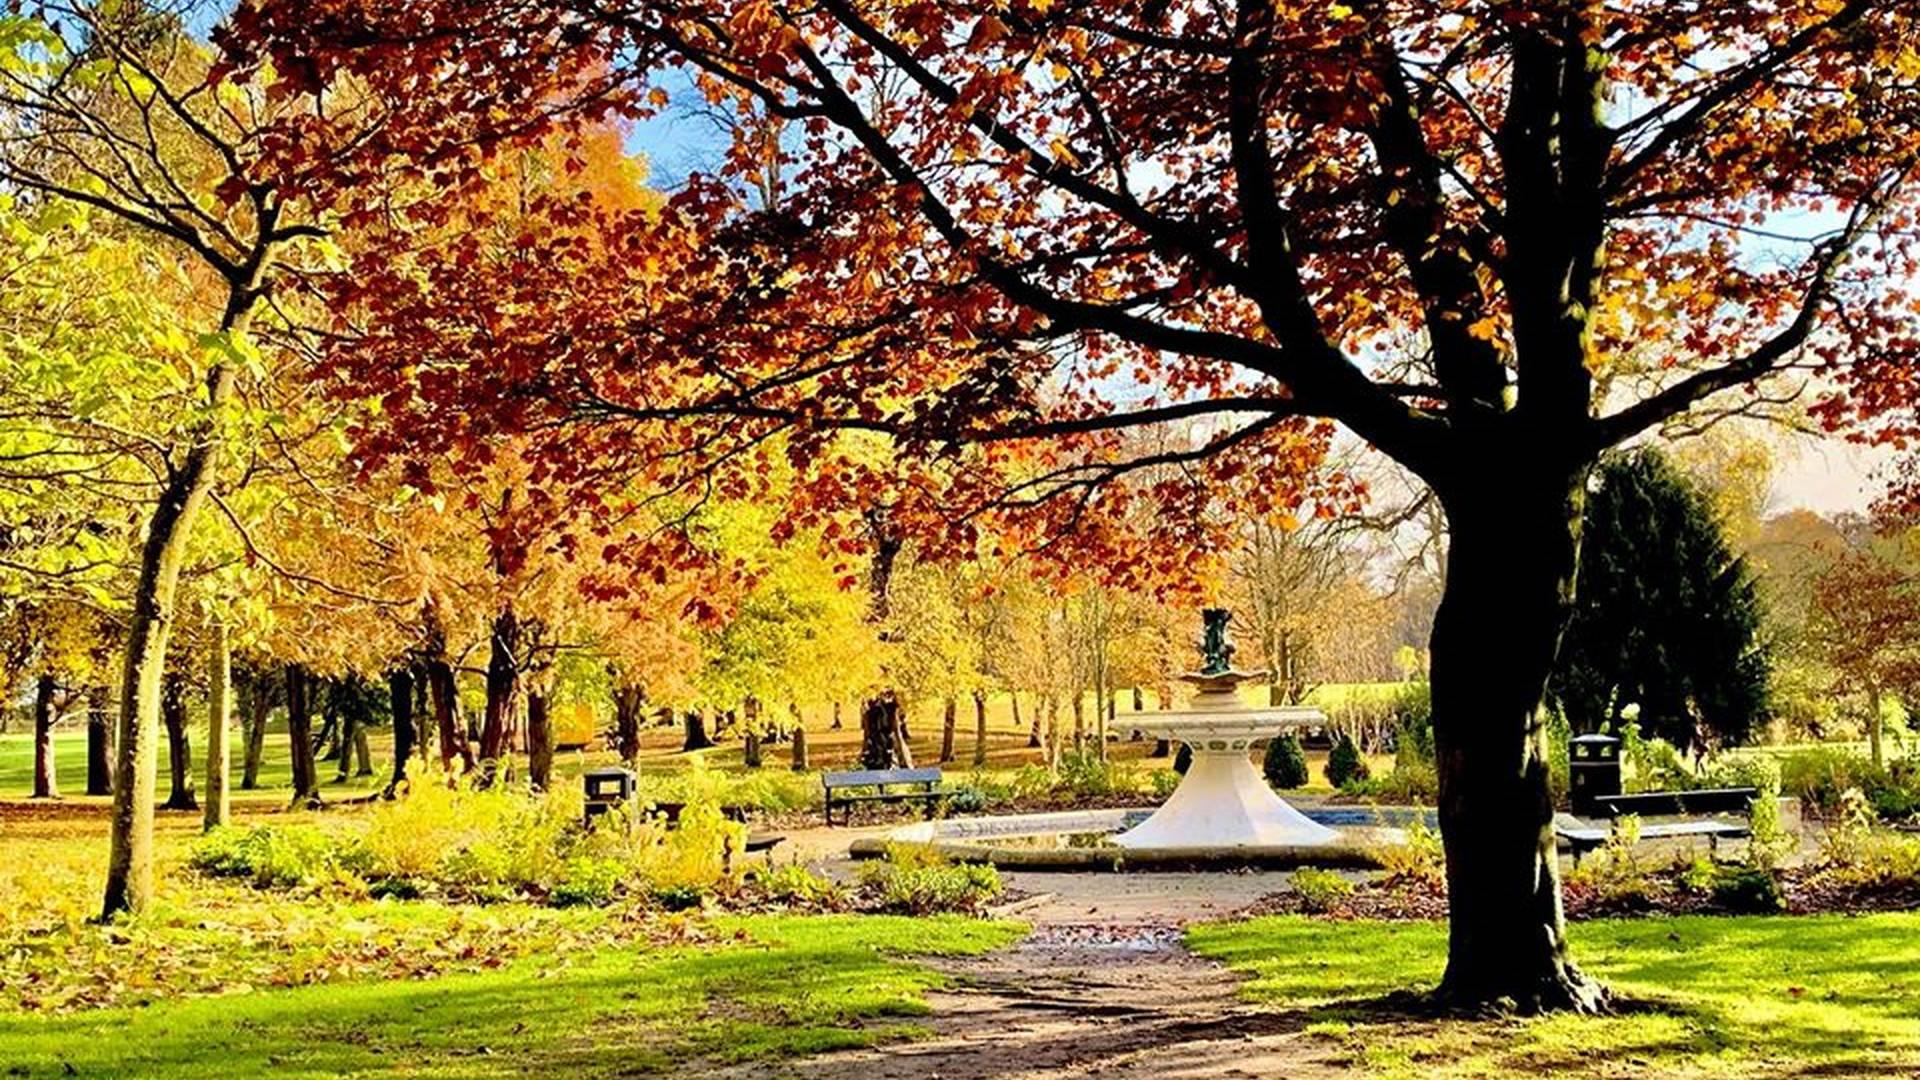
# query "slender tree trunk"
(979, 728)
(539, 741)
(837, 724)
(800, 762)
(259, 706)
(347, 705)
(1033, 732)
(1513, 559)
(1079, 721)
(1139, 701)
(503, 691)
(173, 712)
(949, 719)
(400, 703)
(129, 884)
(362, 750)
(306, 770)
(219, 726)
(751, 734)
(99, 743)
(1053, 733)
(696, 737)
(628, 702)
(46, 783)
(1874, 725)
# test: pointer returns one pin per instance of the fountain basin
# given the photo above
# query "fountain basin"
(1084, 840)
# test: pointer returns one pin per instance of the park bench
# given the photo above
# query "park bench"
(1581, 836)
(922, 785)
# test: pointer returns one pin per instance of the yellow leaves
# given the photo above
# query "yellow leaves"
(1064, 154)
(1486, 329)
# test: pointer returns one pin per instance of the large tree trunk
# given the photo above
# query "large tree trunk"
(696, 737)
(306, 770)
(503, 691)
(628, 702)
(46, 785)
(258, 695)
(400, 703)
(882, 745)
(173, 712)
(539, 741)
(219, 723)
(1509, 588)
(443, 695)
(949, 720)
(979, 728)
(99, 743)
(362, 750)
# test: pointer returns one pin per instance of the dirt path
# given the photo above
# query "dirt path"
(1103, 987)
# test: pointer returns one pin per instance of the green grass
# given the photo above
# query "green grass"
(778, 987)
(1826, 995)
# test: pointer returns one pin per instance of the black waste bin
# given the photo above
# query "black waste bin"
(1593, 771)
(608, 789)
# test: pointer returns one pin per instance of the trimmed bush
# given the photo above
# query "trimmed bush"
(1344, 763)
(1321, 890)
(1285, 764)
(917, 880)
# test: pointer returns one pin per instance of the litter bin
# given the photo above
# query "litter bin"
(1593, 771)
(608, 789)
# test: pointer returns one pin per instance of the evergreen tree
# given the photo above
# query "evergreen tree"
(1285, 764)
(1345, 764)
(1666, 617)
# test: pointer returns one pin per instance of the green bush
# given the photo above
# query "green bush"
(1420, 859)
(587, 881)
(1285, 764)
(1321, 890)
(275, 856)
(1748, 891)
(916, 880)
(1163, 782)
(1819, 775)
(1614, 874)
(1344, 763)
(1859, 853)
(1082, 772)
(794, 885)
(966, 799)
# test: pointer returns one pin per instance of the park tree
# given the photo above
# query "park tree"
(1031, 231)
(1865, 624)
(1667, 616)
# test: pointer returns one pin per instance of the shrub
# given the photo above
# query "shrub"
(796, 886)
(272, 856)
(1420, 859)
(1163, 782)
(1858, 853)
(1285, 764)
(1030, 781)
(916, 880)
(587, 881)
(1748, 891)
(1082, 772)
(966, 799)
(1820, 775)
(1614, 874)
(1344, 763)
(1321, 890)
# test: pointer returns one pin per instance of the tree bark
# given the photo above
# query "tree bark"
(219, 726)
(503, 691)
(836, 716)
(348, 705)
(306, 771)
(258, 696)
(881, 744)
(949, 720)
(979, 728)
(99, 743)
(1874, 748)
(1512, 564)
(696, 737)
(539, 741)
(628, 702)
(400, 704)
(46, 783)
(362, 750)
(800, 761)
(173, 712)
(129, 885)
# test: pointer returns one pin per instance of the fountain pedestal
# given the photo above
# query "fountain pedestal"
(1223, 800)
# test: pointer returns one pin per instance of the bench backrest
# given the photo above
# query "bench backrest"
(879, 777)
(1705, 801)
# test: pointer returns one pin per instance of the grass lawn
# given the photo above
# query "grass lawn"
(776, 987)
(1707, 996)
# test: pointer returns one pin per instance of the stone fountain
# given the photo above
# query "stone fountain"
(1223, 801)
